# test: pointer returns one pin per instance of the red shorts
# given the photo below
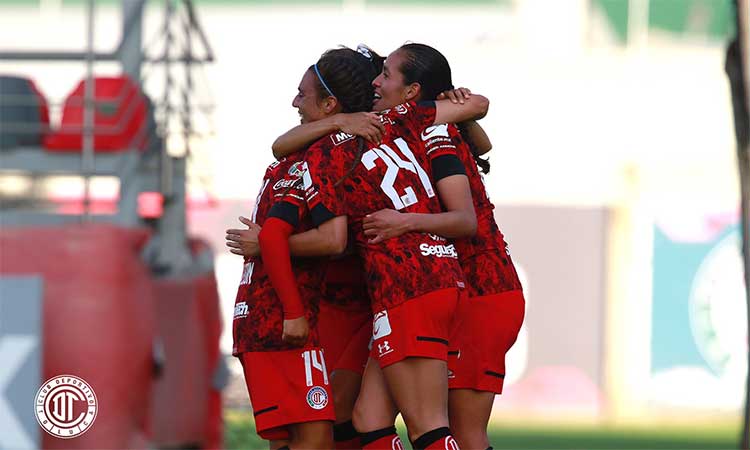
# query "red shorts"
(418, 327)
(287, 387)
(485, 329)
(344, 335)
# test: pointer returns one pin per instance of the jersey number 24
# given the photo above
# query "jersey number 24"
(395, 162)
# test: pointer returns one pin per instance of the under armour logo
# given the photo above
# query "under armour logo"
(384, 348)
(396, 444)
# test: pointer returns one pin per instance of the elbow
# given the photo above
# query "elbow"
(468, 225)
(482, 106)
(275, 148)
(484, 149)
(338, 245)
(471, 226)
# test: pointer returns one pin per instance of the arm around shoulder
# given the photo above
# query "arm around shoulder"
(473, 108)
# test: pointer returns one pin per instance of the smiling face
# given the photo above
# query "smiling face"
(308, 103)
(390, 87)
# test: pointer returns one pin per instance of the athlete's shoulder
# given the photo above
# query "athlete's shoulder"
(410, 114)
(279, 169)
(441, 130)
(332, 142)
(400, 110)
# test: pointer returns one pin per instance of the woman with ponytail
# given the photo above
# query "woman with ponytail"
(275, 317)
(488, 322)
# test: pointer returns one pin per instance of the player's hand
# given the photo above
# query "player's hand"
(458, 95)
(296, 331)
(364, 124)
(244, 242)
(385, 224)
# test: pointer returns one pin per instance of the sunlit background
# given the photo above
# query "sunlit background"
(614, 174)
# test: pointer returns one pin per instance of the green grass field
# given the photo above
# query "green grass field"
(240, 434)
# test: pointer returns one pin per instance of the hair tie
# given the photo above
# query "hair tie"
(317, 72)
(362, 49)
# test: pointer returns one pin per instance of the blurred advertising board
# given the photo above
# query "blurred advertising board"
(699, 319)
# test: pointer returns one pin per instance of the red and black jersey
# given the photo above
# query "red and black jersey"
(258, 312)
(344, 284)
(345, 178)
(483, 277)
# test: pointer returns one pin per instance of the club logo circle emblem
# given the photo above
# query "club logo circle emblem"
(717, 304)
(317, 398)
(65, 406)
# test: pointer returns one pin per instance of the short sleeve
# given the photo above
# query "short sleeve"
(415, 115)
(323, 171)
(437, 141)
(289, 195)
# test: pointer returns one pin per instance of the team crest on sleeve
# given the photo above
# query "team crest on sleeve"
(306, 178)
(317, 398)
(297, 169)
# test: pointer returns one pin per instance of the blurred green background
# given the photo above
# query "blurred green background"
(240, 434)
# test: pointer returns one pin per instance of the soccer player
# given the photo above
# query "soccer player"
(344, 320)
(488, 323)
(274, 325)
(413, 280)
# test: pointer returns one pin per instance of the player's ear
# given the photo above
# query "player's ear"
(412, 91)
(330, 105)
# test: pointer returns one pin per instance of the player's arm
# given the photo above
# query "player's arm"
(274, 249)
(477, 135)
(473, 108)
(458, 221)
(449, 175)
(327, 239)
(364, 124)
(471, 128)
(330, 238)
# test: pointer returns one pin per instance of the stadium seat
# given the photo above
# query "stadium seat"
(120, 120)
(24, 114)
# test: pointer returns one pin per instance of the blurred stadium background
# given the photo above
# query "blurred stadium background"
(614, 175)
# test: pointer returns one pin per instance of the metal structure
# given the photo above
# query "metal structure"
(151, 170)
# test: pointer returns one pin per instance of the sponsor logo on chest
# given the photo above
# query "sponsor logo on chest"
(438, 250)
(341, 137)
(285, 183)
(240, 310)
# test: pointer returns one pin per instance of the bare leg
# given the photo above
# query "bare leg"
(469, 415)
(374, 408)
(419, 387)
(311, 435)
(345, 385)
